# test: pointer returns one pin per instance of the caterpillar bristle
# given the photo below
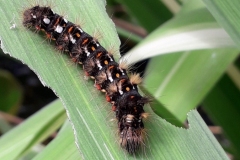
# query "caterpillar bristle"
(123, 64)
(112, 88)
(101, 77)
(97, 35)
(99, 64)
(144, 115)
(130, 137)
(111, 50)
(135, 78)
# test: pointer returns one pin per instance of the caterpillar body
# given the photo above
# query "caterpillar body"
(110, 77)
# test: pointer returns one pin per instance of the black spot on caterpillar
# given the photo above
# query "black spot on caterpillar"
(110, 77)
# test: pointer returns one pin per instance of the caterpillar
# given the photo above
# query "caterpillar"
(99, 64)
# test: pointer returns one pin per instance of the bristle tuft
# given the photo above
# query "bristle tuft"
(135, 78)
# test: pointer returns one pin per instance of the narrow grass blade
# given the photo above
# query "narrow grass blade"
(22, 138)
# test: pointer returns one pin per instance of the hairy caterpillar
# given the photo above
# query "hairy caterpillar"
(110, 77)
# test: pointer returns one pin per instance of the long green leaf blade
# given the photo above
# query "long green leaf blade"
(22, 138)
(227, 15)
(62, 147)
(185, 80)
(198, 31)
(95, 135)
(148, 13)
(222, 104)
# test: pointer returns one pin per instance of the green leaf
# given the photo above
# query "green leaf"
(149, 14)
(198, 31)
(222, 104)
(62, 147)
(37, 128)
(185, 80)
(227, 15)
(95, 134)
(10, 93)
